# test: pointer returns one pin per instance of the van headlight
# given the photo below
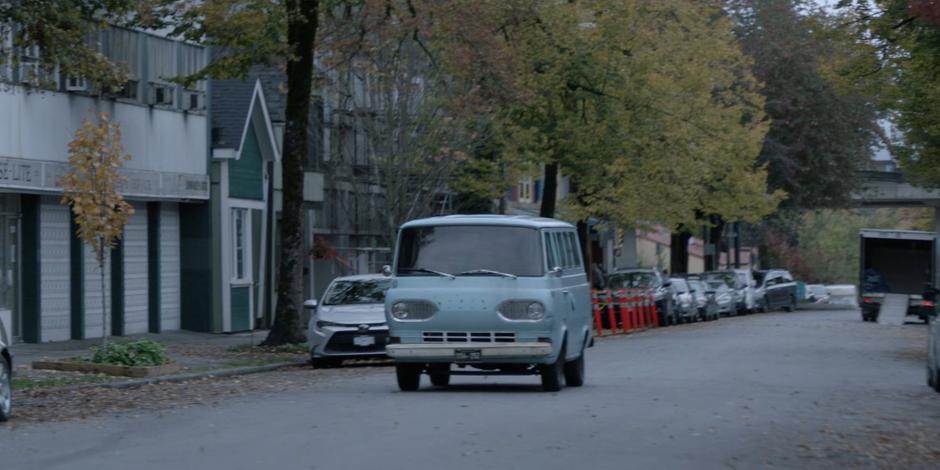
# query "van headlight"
(521, 310)
(413, 310)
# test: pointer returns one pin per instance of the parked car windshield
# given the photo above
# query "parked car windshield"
(726, 277)
(457, 249)
(357, 292)
(632, 280)
(679, 285)
(696, 286)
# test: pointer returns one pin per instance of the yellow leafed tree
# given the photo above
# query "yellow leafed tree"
(91, 189)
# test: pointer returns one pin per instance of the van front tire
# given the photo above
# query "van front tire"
(409, 377)
(574, 372)
(552, 374)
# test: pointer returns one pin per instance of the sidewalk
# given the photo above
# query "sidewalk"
(193, 352)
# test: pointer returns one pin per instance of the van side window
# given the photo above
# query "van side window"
(550, 251)
(573, 250)
(562, 250)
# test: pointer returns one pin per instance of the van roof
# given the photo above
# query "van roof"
(490, 219)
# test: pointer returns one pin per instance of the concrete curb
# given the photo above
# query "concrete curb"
(184, 377)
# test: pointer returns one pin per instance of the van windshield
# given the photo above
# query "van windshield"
(460, 249)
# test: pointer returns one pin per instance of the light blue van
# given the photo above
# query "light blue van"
(488, 294)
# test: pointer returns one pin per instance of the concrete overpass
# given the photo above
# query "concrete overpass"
(890, 189)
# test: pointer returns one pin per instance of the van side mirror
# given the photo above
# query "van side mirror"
(310, 304)
(556, 271)
(386, 270)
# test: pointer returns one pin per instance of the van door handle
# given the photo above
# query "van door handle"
(565, 292)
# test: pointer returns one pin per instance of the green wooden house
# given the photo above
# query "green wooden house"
(226, 244)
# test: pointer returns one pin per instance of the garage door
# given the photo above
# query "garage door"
(169, 267)
(135, 272)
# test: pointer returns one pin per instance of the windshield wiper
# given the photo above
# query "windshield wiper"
(487, 271)
(429, 271)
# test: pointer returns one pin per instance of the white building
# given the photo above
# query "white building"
(49, 282)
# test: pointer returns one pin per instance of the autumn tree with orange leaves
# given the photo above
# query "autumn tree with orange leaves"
(91, 189)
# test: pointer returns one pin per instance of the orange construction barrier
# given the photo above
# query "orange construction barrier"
(626, 322)
(635, 316)
(596, 308)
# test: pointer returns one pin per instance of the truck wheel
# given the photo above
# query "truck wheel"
(574, 372)
(552, 374)
(409, 377)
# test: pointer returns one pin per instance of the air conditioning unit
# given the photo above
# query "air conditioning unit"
(76, 84)
(30, 52)
(30, 73)
(127, 91)
(6, 39)
(160, 95)
(194, 100)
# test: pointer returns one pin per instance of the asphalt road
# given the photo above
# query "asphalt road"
(812, 389)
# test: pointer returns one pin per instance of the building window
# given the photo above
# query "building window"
(525, 190)
(240, 247)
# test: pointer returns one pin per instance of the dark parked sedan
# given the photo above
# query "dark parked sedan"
(775, 289)
(652, 280)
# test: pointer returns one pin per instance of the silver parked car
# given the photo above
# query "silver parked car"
(686, 308)
(6, 375)
(704, 302)
(724, 297)
(349, 321)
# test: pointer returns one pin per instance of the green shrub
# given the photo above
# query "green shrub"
(140, 353)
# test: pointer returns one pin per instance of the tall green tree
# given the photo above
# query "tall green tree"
(907, 35)
(819, 134)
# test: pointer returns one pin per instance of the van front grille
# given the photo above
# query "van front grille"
(468, 337)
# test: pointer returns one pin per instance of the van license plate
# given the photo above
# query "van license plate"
(468, 354)
(363, 340)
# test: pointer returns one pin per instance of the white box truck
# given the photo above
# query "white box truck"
(896, 262)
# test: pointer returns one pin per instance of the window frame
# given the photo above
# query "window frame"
(241, 217)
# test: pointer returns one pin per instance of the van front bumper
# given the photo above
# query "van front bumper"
(449, 352)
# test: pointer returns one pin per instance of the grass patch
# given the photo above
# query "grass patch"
(141, 353)
(299, 348)
(25, 383)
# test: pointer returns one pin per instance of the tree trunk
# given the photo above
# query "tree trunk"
(584, 235)
(104, 304)
(301, 34)
(104, 310)
(737, 244)
(549, 191)
(714, 239)
(679, 252)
